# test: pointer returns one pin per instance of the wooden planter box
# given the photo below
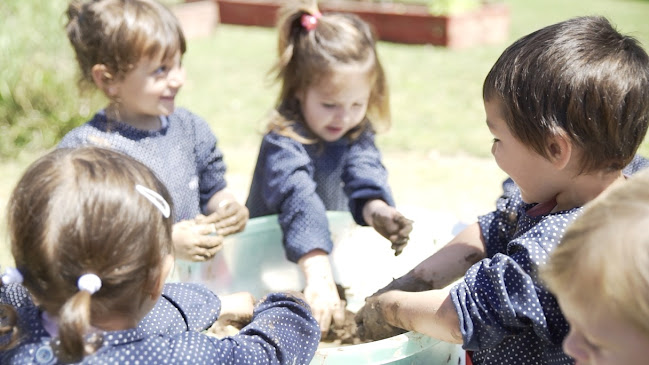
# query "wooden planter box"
(198, 18)
(395, 22)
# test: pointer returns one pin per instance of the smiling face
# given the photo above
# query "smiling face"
(148, 90)
(533, 173)
(338, 103)
(598, 338)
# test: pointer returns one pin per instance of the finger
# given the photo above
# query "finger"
(210, 242)
(201, 219)
(199, 258)
(205, 229)
(325, 320)
(338, 314)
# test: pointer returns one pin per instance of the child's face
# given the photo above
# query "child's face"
(534, 174)
(336, 104)
(597, 338)
(149, 89)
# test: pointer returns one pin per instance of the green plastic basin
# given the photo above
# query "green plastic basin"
(362, 261)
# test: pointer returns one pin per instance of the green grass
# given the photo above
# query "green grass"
(435, 92)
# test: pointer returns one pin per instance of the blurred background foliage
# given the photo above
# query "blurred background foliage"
(435, 92)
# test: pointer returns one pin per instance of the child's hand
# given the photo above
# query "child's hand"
(320, 290)
(389, 223)
(237, 309)
(325, 303)
(230, 217)
(196, 242)
(371, 323)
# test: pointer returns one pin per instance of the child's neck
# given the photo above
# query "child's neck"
(138, 121)
(584, 188)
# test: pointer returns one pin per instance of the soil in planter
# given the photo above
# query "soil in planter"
(338, 335)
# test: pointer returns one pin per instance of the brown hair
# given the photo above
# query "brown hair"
(308, 56)
(119, 33)
(77, 211)
(603, 258)
(579, 78)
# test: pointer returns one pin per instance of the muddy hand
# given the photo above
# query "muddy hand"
(232, 217)
(395, 227)
(237, 309)
(195, 242)
(325, 303)
(371, 323)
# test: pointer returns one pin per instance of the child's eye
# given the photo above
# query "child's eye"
(328, 105)
(160, 70)
(495, 140)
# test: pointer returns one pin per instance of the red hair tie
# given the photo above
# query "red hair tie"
(309, 21)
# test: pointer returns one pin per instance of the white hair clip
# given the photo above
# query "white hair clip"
(12, 276)
(155, 199)
(89, 282)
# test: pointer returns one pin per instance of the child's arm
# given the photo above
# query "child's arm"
(282, 331)
(215, 201)
(435, 272)
(370, 198)
(429, 312)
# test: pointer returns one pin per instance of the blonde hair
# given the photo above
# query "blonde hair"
(77, 211)
(119, 33)
(308, 56)
(603, 258)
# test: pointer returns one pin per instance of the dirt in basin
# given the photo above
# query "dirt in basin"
(338, 335)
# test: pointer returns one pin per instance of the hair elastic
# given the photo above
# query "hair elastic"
(155, 199)
(89, 282)
(12, 276)
(310, 21)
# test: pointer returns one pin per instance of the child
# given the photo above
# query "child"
(132, 51)
(599, 276)
(319, 153)
(90, 233)
(568, 107)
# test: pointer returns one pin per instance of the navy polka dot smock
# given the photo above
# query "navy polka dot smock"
(282, 331)
(300, 182)
(506, 314)
(183, 155)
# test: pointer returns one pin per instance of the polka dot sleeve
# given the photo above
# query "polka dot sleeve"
(504, 309)
(364, 176)
(286, 185)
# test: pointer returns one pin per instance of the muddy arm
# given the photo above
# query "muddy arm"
(429, 312)
(445, 266)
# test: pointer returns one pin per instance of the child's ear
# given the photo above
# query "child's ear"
(103, 79)
(560, 150)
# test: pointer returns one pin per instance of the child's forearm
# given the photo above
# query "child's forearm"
(430, 312)
(451, 261)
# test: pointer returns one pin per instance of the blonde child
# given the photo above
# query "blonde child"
(132, 50)
(90, 232)
(599, 276)
(319, 153)
(568, 107)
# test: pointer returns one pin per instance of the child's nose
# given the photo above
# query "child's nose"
(573, 346)
(177, 77)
